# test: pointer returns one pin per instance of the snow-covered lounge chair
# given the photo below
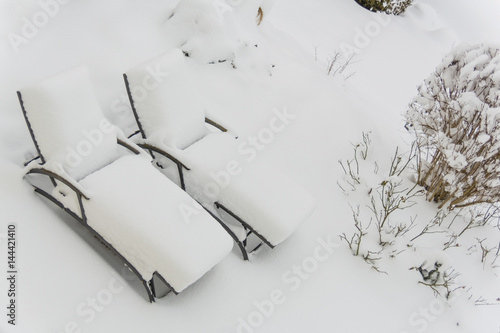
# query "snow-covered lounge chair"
(108, 184)
(252, 197)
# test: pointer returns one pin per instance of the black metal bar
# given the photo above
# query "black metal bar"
(58, 203)
(220, 206)
(20, 97)
(257, 247)
(82, 210)
(160, 151)
(58, 177)
(231, 233)
(152, 287)
(247, 233)
(148, 290)
(215, 124)
(129, 147)
(98, 236)
(133, 134)
(132, 104)
(181, 177)
(159, 276)
(33, 159)
(32, 134)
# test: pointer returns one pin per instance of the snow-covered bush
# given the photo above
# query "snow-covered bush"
(393, 232)
(456, 120)
(395, 7)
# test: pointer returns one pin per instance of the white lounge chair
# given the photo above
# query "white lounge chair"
(108, 184)
(252, 198)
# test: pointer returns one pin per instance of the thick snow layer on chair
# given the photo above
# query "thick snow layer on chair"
(153, 223)
(165, 96)
(261, 195)
(68, 124)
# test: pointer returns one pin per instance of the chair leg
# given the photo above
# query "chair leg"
(243, 223)
(99, 238)
(249, 233)
(159, 287)
(242, 248)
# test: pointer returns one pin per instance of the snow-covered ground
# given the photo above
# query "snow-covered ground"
(68, 282)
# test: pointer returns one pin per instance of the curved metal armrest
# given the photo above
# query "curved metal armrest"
(127, 145)
(70, 183)
(160, 151)
(215, 124)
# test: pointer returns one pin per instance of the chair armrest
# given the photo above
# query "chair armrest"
(215, 124)
(127, 144)
(123, 141)
(71, 183)
(150, 147)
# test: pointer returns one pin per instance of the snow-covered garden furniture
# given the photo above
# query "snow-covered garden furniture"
(108, 184)
(259, 203)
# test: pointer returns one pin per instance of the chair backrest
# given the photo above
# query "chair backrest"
(66, 123)
(163, 94)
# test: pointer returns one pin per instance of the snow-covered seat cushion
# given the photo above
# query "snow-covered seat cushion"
(261, 195)
(68, 124)
(153, 223)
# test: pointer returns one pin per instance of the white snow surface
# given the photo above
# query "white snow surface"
(68, 282)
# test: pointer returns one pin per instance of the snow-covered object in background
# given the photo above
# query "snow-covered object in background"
(152, 224)
(394, 7)
(217, 173)
(214, 31)
(199, 28)
(456, 120)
